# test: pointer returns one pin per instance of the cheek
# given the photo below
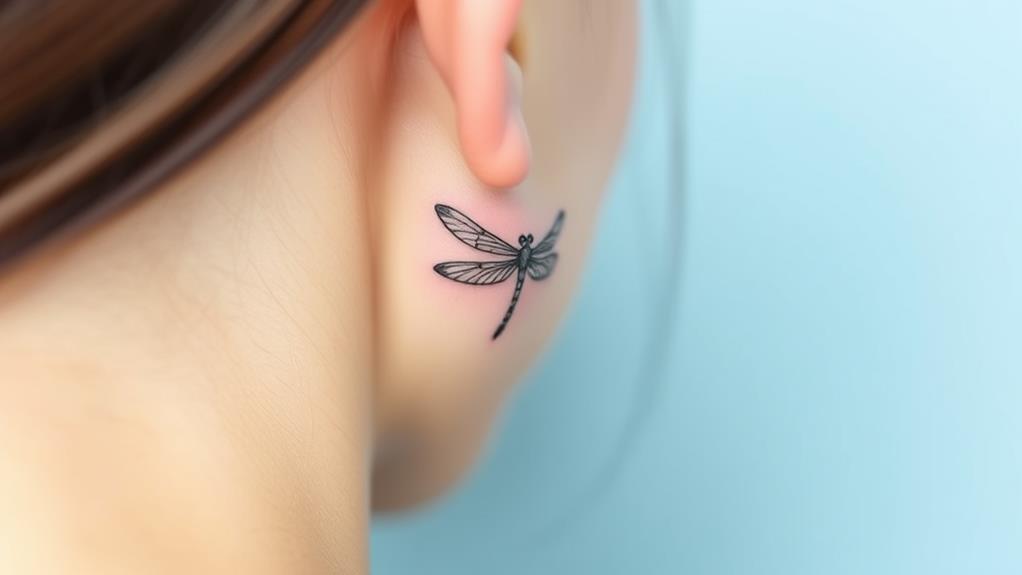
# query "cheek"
(440, 377)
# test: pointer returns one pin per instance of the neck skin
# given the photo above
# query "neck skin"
(186, 388)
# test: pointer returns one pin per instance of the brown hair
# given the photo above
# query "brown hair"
(102, 99)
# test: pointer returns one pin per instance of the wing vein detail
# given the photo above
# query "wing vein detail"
(551, 237)
(472, 233)
(477, 273)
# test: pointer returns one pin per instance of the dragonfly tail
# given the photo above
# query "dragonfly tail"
(511, 308)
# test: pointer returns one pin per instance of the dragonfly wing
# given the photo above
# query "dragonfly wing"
(551, 237)
(477, 273)
(472, 233)
(541, 267)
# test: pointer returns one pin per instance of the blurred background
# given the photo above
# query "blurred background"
(798, 348)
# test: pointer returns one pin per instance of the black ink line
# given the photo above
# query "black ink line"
(535, 261)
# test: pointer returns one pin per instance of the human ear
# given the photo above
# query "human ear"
(467, 41)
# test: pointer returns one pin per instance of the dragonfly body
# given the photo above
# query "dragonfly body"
(536, 262)
(514, 302)
(524, 254)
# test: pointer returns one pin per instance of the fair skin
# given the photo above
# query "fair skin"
(231, 375)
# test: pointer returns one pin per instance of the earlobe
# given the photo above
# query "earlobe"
(467, 41)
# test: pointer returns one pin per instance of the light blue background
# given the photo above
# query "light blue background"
(842, 386)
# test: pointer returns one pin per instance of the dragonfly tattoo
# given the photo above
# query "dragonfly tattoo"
(537, 261)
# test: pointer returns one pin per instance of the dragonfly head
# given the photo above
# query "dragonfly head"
(524, 240)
